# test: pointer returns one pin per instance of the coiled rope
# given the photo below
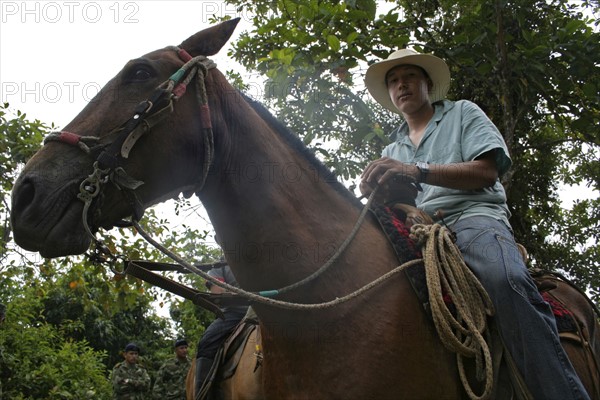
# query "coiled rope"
(447, 273)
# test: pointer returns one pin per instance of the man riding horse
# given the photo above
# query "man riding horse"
(457, 155)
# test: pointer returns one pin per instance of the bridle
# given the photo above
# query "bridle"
(148, 113)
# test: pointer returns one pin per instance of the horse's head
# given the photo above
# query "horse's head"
(126, 150)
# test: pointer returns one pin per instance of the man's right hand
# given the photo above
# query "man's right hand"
(395, 180)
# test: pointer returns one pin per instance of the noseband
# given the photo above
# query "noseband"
(110, 156)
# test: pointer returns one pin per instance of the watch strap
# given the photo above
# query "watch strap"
(423, 170)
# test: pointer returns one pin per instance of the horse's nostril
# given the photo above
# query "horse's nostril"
(23, 195)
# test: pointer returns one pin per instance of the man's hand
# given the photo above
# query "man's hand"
(414, 215)
(395, 180)
(385, 169)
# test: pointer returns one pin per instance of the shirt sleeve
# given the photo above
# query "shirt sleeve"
(480, 136)
(229, 277)
(118, 378)
(216, 273)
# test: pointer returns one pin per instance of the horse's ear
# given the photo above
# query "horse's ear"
(210, 40)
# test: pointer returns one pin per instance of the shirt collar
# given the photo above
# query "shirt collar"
(440, 108)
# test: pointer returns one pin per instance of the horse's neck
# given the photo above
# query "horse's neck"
(277, 218)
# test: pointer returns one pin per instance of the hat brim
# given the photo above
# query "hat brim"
(435, 67)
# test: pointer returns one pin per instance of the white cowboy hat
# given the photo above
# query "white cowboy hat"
(435, 67)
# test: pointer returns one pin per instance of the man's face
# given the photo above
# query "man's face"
(131, 357)
(181, 351)
(408, 87)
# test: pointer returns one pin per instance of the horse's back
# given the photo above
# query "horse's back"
(582, 345)
(246, 383)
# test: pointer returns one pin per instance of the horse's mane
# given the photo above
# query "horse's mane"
(297, 144)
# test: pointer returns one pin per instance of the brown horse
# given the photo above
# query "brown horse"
(279, 213)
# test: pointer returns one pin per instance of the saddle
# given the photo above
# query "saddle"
(574, 332)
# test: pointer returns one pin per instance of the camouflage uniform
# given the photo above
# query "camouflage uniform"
(130, 382)
(170, 382)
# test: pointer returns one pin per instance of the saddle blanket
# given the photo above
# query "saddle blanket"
(391, 222)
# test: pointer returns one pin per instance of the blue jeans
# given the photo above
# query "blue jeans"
(526, 323)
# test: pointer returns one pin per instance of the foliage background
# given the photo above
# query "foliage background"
(533, 66)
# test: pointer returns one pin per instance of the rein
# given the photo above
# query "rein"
(263, 297)
(462, 334)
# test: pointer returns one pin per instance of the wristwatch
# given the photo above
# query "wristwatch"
(423, 170)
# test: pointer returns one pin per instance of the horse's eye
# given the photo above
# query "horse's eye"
(139, 73)
(142, 75)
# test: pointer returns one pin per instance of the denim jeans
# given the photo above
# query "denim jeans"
(526, 323)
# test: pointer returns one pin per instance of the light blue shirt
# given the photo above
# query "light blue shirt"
(458, 132)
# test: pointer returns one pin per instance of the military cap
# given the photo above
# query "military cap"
(132, 347)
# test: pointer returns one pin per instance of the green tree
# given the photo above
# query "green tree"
(38, 360)
(531, 65)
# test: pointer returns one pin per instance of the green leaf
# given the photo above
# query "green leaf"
(334, 43)
(351, 37)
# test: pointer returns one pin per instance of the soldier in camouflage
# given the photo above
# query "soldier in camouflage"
(130, 380)
(170, 382)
